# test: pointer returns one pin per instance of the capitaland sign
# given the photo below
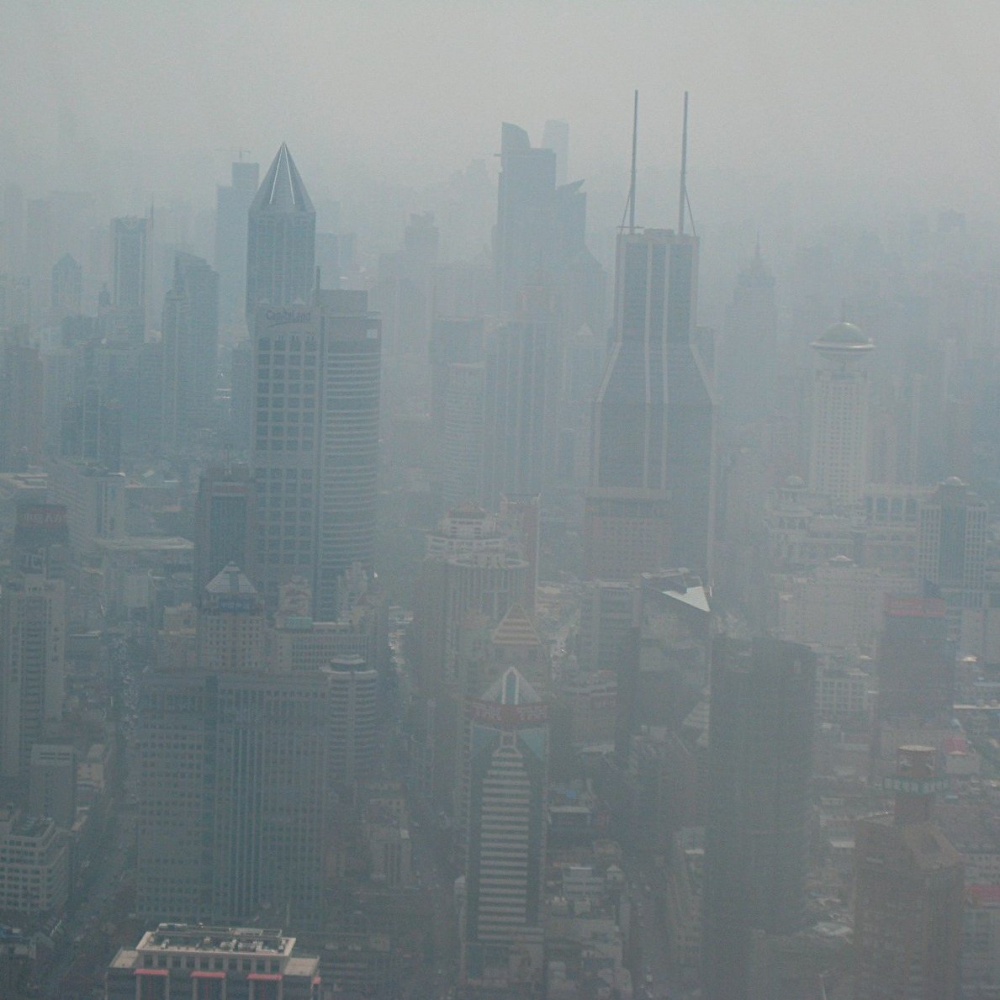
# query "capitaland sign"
(287, 317)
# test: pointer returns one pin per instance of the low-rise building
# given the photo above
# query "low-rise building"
(210, 963)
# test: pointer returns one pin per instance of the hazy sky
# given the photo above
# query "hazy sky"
(887, 93)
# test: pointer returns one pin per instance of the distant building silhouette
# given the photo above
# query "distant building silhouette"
(540, 226)
(232, 207)
(838, 453)
(190, 333)
(130, 246)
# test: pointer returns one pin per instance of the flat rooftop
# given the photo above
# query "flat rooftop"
(230, 940)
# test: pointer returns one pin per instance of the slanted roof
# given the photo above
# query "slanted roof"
(282, 189)
(516, 629)
(231, 580)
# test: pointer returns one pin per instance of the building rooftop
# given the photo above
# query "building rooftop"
(282, 189)
(239, 940)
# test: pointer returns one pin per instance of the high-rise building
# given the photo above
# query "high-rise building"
(281, 240)
(747, 355)
(232, 206)
(315, 444)
(129, 237)
(759, 766)
(838, 452)
(951, 545)
(67, 287)
(22, 428)
(232, 624)
(32, 648)
(540, 226)
(225, 523)
(916, 663)
(555, 136)
(471, 566)
(461, 434)
(650, 499)
(519, 398)
(353, 690)
(908, 895)
(190, 350)
(233, 795)
(505, 817)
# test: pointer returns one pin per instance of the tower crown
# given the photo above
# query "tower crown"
(282, 189)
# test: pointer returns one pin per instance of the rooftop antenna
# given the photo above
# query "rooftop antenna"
(630, 201)
(684, 157)
(631, 190)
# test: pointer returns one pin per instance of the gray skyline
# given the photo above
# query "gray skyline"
(846, 94)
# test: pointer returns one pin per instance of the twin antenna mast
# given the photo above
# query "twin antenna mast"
(684, 206)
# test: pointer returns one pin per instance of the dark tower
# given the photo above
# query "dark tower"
(759, 765)
(650, 498)
(281, 239)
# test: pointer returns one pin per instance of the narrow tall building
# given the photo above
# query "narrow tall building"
(232, 206)
(909, 894)
(129, 236)
(759, 765)
(838, 453)
(190, 350)
(508, 768)
(540, 225)
(32, 667)
(650, 499)
(951, 545)
(281, 239)
(520, 382)
(315, 444)
(225, 517)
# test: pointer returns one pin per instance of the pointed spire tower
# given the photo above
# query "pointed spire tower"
(281, 240)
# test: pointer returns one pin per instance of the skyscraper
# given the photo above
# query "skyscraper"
(747, 355)
(129, 238)
(951, 544)
(190, 350)
(916, 663)
(315, 444)
(519, 398)
(540, 226)
(507, 777)
(32, 647)
(225, 523)
(759, 765)
(908, 897)
(650, 499)
(232, 206)
(281, 240)
(838, 453)
(233, 776)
